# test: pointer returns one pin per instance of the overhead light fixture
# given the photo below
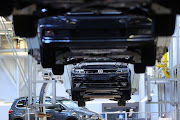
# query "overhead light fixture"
(131, 36)
(43, 10)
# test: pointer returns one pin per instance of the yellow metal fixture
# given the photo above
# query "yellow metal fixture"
(164, 65)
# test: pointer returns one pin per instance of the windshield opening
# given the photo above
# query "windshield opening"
(70, 104)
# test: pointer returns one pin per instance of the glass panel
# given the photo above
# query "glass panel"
(21, 104)
(70, 104)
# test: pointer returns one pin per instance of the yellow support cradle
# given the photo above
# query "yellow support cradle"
(164, 65)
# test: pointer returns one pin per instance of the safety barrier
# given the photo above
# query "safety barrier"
(139, 115)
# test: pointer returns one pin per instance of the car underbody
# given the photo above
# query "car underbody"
(101, 81)
(124, 38)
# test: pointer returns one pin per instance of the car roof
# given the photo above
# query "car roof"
(47, 97)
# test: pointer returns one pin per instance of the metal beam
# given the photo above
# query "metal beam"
(54, 92)
(34, 85)
(163, 79)
(178, 67)
(160, 82)
(24, 81)
(10, 51)
(161, 102)
(42, 98)
(7, 73)
(171, 72)
(17, 80)
(30, 79)
(148, 88)
(0, 40)
(43, 81)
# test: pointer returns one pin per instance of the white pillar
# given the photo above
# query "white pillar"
(17, 80)
(29, 82)
(178, 68)
(34, 84)
(0, 40)
(142, 95)
(30, 79)
(67, 76)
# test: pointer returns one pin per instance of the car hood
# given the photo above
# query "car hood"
(84, 111)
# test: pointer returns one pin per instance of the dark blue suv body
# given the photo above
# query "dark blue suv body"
(122, 37)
